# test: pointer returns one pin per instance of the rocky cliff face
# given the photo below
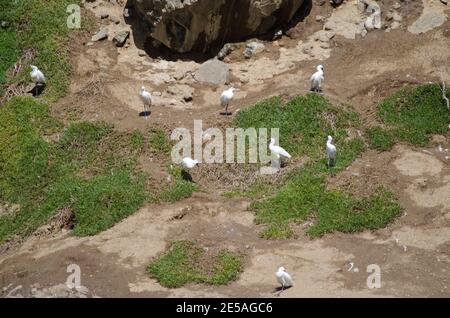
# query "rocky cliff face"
(199, 25)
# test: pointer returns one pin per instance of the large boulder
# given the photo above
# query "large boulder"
(201, 25)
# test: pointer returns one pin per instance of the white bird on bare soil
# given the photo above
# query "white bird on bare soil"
(146, 98)
(284, 278)
(226, 98)
(331, 151)
(317, 79)
(189, 163)
(277, 150)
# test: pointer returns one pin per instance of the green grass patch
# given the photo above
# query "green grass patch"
(185, 263)
(159, 143)
(91, 169)
(41, 27)
(301, 195)
(411, 115)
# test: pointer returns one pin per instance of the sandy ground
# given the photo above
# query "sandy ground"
(413, 252)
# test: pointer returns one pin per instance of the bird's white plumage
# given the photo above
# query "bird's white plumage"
(284, 278)
(145, 96)
(331, 150)
(189, 163)
(227, 96)
(277, 150)
(317, 78)
(36, 75)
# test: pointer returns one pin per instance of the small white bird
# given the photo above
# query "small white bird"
(226, 98)
(36, 75)
(146, 98)
(277, 150)
(317, 79)
(331, 151)
(284, 278)
(189, 163)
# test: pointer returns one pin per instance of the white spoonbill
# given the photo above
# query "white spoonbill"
(284, 278)
(317, 79)
(146, 98)
(189, 163)
(277, 150)
(226, 98)
(331, 151)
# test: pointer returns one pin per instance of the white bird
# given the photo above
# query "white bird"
(277, 150)
(284, 278)
(317, 79)
(36, 75)
(331, 151)
(146, 98)
(226, 98)
(189, 163)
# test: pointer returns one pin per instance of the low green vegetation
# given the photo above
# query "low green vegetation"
(302, 194)
(410, 115)
(40, 28)
(87, 167)
(185, 262)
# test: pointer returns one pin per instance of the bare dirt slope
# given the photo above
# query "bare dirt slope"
(413, 252)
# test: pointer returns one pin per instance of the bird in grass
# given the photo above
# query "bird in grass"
(226, 98)
(189, 163)
(317, 79)
(284, 278)
(37, 76)
(277, 150)
(331, 151)
(146, 98)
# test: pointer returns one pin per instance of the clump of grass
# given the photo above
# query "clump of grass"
(301, 195)
(179, 188)
(90, 170)
(39, 26)
(185, 263)
(411, 115)
(159, 144)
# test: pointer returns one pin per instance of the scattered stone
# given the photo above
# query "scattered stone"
(104, 16)
(4, 24)
(126, 12)
(114, 20)
(395, 25)
(397, 17)
(444, 1)
(90, 44)
(389, 16)
(226, 50)
(213, 72)
(186, 92)
(396, 5)
(120, 38)
(253, 48)
(277, 35)
(100, 35)
(142, 53)
(320, 18)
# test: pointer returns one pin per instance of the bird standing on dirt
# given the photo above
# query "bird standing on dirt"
(331, 151)
(37, 76)
(277, 150)
(188, 163)
(284, 278)
(316, 79)
(226, 98)
(146, 98)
